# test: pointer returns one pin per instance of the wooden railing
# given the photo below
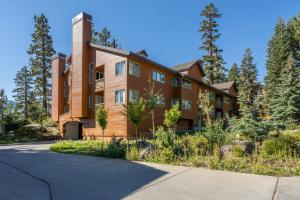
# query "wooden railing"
(99, 85)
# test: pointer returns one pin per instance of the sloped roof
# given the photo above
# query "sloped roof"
(224, 86)
(187, 66)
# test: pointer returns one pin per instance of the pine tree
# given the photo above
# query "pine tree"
(248, 123)
(41, 51)
(277, 54)
(248, 76)
(287, 105)
(234, 74)
(213, 61)
(23, 91)
(104, 38)
(3, 105)
(293, 28)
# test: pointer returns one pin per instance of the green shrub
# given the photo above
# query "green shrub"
(237, 151)
(164, 155)
(164, 138)
(49, 122)
(215, 133)
(132, 153)
(277, 147)
(199, 145)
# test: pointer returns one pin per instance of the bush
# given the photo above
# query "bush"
(164, 138)
(132, 153)
(237, 151)
(164, 155)
(49, 122)
(279, 147)
(215, 133)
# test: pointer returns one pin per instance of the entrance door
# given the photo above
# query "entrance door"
(73, 131)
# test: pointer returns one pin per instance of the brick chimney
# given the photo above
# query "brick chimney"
(58, 67)
(81, 36)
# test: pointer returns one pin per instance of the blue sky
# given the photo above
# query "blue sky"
(167, 29)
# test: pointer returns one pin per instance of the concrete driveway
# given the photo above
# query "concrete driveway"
(31, 171)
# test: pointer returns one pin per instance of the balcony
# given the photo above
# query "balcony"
(99, 86)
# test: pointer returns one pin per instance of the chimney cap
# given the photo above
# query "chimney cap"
(58, 55)
(81, 16)
(142, 53)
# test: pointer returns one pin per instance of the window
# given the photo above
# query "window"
(174, 101)
(66, 108)
(161, 100)
(90, 101)
(120, 96)
(186, 104)
(99, 99)
(91, 73)
(120, 68)
(186, 84)
(134, 95)
(66, 89)
(211, 95)
(99, 75)
(175, 82)
(134, 69)
(157, 76)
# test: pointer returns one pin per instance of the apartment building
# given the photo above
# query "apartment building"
(94, 74)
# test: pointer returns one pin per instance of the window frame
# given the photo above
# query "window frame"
(123, 68)
(184, 83)
(184, 101)
(91, 74)
(91, 101)
(158, 76)
(123, 97)
(131, 92)
(133, 65)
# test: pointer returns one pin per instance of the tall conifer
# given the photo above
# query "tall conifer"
(41, 51)
(23, 91)
(234, 74)
(212, 60)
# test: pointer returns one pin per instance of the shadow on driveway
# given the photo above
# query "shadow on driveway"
(69, 176)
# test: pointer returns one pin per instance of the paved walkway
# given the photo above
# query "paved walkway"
(31, 171)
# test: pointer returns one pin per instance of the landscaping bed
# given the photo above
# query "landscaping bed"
(30, 133)
(276, 156)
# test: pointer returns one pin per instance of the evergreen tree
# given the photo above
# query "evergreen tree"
(3, 105)
(277, 54)
(41, 51)
(104, 38)
(248, 90)
(234, 74)
(213, 61)
(23, 91)
(293, 28)
(287, 105)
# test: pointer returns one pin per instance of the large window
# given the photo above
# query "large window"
(134, 69)
(134, 95)
(120, 68)
(175, 82)
(91, 73)
(186, 104)
(186, 83)
(157, 76)
(119, 96)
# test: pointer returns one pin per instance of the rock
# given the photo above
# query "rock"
(11, 133)
(146, 152)
(226, 150)
(246, 146)
(142, 144)
(35, 128)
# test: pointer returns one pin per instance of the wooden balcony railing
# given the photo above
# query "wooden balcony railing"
(99, 85)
